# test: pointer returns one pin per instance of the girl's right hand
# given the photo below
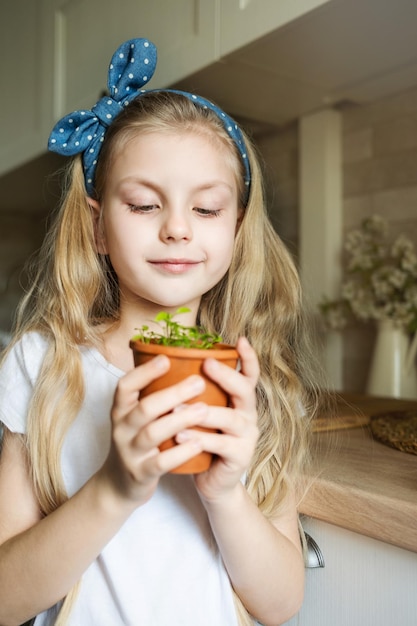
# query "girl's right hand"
(135, 464)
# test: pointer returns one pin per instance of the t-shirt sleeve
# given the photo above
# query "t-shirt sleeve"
(18, 376)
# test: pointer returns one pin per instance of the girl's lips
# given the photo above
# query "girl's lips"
(175, 266)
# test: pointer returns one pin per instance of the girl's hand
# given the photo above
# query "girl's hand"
(135, 464)
(235, 444)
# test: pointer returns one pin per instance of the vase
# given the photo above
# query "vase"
(185, 362)
(393, 369)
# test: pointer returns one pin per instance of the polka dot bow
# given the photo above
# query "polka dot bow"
(132, 66)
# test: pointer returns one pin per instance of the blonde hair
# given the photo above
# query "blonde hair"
(75, 289)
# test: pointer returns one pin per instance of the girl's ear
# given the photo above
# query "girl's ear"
(99, 235)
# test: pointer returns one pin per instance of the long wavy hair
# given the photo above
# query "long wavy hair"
(75, 289)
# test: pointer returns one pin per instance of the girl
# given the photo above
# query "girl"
(165, 209)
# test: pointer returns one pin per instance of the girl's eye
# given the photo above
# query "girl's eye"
(143, 208)
(207, 212)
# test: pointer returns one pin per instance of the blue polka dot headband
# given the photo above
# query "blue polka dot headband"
(132, 66)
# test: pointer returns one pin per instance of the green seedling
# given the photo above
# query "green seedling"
(175, 334)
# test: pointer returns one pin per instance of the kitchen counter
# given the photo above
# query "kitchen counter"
(360, 484)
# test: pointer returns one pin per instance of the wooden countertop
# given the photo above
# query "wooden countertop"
(363, 485)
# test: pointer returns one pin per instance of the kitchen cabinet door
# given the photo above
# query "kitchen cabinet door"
(85, 35)
(244, 21)
(364, 581)
(55, 55)
(87, 32)
(26, 82)
(184, 32)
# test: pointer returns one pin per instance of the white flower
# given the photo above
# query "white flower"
(337, 319)
(361, 262)
(381, 283)
(409, 263)
(410, 295)
(397, 278)
(376, 226)
(349, 289)
(354, 241)
(401, 246)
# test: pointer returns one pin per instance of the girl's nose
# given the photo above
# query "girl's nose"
(175, 226)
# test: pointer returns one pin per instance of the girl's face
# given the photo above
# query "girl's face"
(170, 215)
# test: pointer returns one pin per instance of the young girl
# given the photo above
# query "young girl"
(163, 208)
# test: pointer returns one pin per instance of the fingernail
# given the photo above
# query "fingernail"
(196, 383)
(197, 445)
(182, 436)
(179, 407)
(199, 408)
(161, 361)
(189, 436)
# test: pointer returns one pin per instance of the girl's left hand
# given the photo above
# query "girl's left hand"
(235, 444)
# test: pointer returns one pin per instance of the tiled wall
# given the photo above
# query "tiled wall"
(380, 177)
(380, 162)
(279, 151)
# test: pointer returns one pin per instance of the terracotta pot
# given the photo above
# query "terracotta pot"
(185, 362)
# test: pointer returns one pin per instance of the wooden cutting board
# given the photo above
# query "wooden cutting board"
(350, 410)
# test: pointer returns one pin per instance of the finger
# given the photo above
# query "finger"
(248, 359)
(127, 391)
(240, 386)
(173, 457)
(225, 420)
(167, 400)
(169, 425)
(225, 446)
(136, 425)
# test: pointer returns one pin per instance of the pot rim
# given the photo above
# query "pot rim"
(220, 351)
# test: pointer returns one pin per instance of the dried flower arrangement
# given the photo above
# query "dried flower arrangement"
(380, 281)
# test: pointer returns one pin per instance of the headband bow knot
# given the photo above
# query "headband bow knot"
(131, 67)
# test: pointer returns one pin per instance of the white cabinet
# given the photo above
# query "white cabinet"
(87, 32)
(365, 582)
(184, 31)
(55, 53)
(84, 36)
(244, 21)
(26, 82)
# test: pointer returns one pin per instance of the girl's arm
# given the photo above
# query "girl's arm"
(263, 558)
(41, 559)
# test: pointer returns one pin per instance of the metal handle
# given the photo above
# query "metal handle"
(314, 556)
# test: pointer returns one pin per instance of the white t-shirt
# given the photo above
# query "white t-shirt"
(163, 567)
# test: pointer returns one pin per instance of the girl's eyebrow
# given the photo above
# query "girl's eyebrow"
(136, 180)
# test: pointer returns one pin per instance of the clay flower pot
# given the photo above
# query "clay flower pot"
(185, 362)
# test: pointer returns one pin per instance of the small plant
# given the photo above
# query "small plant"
(174, 334)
